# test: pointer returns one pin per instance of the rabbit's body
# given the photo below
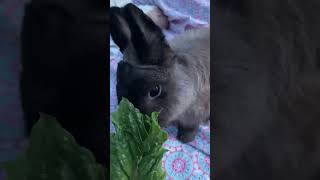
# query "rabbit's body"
(193, 72)
(172, 78)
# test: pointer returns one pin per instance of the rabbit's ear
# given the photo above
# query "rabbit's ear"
(147, 38)
(119, 28)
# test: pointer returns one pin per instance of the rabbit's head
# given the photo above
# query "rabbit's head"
(151, 75)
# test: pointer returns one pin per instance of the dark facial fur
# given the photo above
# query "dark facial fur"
(180, 68)
(266, 86)
(64, 75)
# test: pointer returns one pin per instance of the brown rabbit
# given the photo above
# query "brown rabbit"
(171, 78)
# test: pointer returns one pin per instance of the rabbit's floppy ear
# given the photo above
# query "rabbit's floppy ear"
(147, 38)
(132, 29)
(119, 30)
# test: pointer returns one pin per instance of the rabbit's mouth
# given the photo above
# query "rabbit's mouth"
(163, 123)
(167, 117)
(162, 119)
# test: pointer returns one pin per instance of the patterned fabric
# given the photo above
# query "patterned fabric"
(183, 161)
(182, 14)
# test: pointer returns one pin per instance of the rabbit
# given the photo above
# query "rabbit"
(266, 87)
(64, 69)
(172, 78)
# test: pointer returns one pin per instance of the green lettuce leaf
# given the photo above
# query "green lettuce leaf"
(53, 154)
(136, 147)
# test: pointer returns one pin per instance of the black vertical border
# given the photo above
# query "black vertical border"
(107, 53)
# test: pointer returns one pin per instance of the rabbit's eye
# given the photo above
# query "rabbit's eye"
(155, 91)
